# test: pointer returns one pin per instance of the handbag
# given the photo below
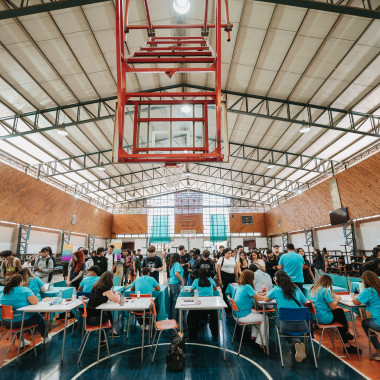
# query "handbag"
(175, 357)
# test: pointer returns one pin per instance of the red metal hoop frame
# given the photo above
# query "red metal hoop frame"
(177, 52)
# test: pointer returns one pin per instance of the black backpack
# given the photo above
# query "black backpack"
(175, 357)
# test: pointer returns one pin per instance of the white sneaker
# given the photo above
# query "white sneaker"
(147, 327)
(48, 339)
(25, 343)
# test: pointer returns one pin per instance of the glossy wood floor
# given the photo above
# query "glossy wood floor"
(204, 359)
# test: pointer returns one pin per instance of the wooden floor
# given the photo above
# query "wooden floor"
(204, 359)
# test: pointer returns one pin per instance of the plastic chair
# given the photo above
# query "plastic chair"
(331, 326)
(167, 324)
(371, 332)
(294, 315)
(7, 313)
(90, 329)
(244, 324)
(134, 314)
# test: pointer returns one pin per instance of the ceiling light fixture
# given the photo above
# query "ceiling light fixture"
(305, 129)
(62, 132)
(270, 165)
(181, 6)
(186, 108)
(187, 174)
(252, 185)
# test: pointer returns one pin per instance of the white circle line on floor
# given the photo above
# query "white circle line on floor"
(166, 344)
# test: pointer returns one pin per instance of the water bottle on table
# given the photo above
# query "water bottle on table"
(197, 301)
(122, 298)
(59, 298)
(74, 294)
(138, 295)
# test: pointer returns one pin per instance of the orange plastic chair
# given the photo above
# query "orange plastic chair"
(139, 314)
(331, 326)
(90, 329)
(167, 324)
(244, 324)
(7, 313)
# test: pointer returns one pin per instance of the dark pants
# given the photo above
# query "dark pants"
(35, 319)
(124, 280)
(185, 278)
(370, 323)
(94, 320)
(339, 316)
(195, 319)
(299, 285)
(175, 289)
(76, 283)
(227, 278)
(292, 326)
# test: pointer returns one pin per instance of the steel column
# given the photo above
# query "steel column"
(22, 239)
(269, 242)
(309, 238)
(91, 243)
(349, 236)
(285, 238)
(65, 238)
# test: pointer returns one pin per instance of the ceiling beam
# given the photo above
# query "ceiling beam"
(286, 111)
(20, 8)
(365, 8)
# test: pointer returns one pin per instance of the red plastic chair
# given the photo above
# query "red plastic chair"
(244, 324)
(331, 326)
(7, 313)
(89, 329)
(135, 314)
(167, 324)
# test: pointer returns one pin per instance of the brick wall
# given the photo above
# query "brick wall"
(257, 226)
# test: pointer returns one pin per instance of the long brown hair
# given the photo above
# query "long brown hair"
(79, 258)
(370, 280)
(26, 275)
(105, 282)
(13, 282)
(324, 281)
(246, 277)
(176, 258)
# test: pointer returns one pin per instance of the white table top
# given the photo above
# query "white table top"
(272, 302)
(207, 303)
(44, 307)
(347, 301)
(135, 304)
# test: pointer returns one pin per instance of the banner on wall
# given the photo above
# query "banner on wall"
(117, 249)
(67, 252)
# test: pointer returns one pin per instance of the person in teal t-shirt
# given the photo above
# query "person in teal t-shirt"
(145, 284)
(92, 278)
(15, 294)
(371, 297)
(175, 282)
(292, 264)
(34, 283)
(327, 308)
(244, 298)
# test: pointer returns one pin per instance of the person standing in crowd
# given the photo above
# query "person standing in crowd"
(318, 263)
(175, 283)
(292, 264)
(327, 308)
(88, 282)
(133, 267)
(139, 255)
(194, 258)
(325, 255)
(88, 261)
(11, 265)
(153, 262)
(226, 273)
(127, 267)
(276, 250)
(111, 259)
(242, 264)
(308, 275)
(259, 262)
(167, 263)
(43, 266)
(370, 296)
(185, 258)
(100, 261)
(136, 264)
(271, 265)
(263, 282)
(219, 253)
(205, 262)
(52, 257)
(76, 270)
(32, 282)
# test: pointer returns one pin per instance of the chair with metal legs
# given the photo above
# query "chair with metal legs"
(7, 314)
(244, 324)
(371, 333)
(90, 329)
(167, 324)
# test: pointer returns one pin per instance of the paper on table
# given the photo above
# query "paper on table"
(346, 298)
(187, 302)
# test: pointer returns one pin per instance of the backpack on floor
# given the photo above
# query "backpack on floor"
(175, 357)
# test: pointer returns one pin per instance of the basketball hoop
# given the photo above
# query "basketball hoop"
(173, 175)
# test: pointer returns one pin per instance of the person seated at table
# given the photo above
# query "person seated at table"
(327, 308)
(88, 282)
(17, 295)
(342, 265)
(175, 282)
(76, 270)
(32, 282)
(245, 298)
(263, 282)
(195, 318)
(101, 292)
(288, 295)
(371, 297)
(145, 284)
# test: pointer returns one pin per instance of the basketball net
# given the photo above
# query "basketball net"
(173, 175)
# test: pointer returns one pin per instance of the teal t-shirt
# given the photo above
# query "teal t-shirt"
(321, 302)
(204, 291)
(243, 299)
(34, 285)
(18, 297)
(292, 265)
(173, 278)
(144, 284)
(370, 297)
(277, 294)
(88, 282)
